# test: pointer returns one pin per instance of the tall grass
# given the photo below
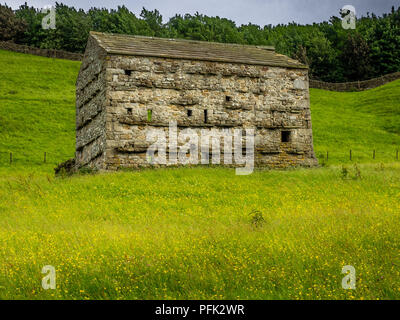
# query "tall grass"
(188, 234)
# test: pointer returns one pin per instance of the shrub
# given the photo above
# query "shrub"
(10, 26)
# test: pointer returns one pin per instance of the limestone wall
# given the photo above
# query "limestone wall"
(356, 85)
(90, 108)
(49, 53)
(268, 99)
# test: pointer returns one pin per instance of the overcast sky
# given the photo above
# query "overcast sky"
(261, 12)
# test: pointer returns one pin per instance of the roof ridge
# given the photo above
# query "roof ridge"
(269, 48)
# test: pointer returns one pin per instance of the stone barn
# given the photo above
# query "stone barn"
(130, 84)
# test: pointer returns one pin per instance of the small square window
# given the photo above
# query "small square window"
(129, 110)
(128, 72)
(228, 98)
(285, 136)
(189, 113)
(205, 116)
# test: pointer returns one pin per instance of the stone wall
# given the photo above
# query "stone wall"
(357, 85)
(90, 108)
(49, 53)
(267, 99)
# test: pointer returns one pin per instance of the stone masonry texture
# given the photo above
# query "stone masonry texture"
(116, 92)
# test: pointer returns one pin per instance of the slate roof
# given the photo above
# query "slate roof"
(118, 44)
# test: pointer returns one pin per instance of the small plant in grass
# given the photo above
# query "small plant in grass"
(65, 169)
(345, 173)
(357, 172)
(321, 159)
(62, 173)
(381, 167)
(87, 170)
(257, 219)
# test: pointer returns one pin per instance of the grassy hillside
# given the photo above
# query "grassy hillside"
(37, 111)
(193, 233)
(361, 121)
(37, 115)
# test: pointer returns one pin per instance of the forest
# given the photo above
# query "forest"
(333, 53)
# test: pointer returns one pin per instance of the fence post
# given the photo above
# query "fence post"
(44, 159)
(11, 157)
(327, 155)
(350, 155)
(374, 155)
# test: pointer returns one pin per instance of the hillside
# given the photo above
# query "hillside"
(37, 112)
(361, 121)
(37, 115)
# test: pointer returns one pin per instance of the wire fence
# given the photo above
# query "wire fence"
(351, 155)
(15, 158)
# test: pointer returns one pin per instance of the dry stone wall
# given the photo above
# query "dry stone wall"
(196, 94)
(356, 85)
(49, 53)
(91, 95)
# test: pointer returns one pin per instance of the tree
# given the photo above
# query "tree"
(355, 58)
(33, 35)
(333, 53)
(201, 27)
(385, 44)
(154, 21)
(254, 35)
(11, 27)
(310, 46)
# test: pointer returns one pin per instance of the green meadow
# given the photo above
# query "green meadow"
(202, 232)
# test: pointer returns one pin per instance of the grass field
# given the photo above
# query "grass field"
(193, 233)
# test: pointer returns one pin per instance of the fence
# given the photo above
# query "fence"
(49, 53)
(352, 155)
(355, 86)
(13, 158)
(325, 156)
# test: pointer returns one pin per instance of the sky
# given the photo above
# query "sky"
(261, 12)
